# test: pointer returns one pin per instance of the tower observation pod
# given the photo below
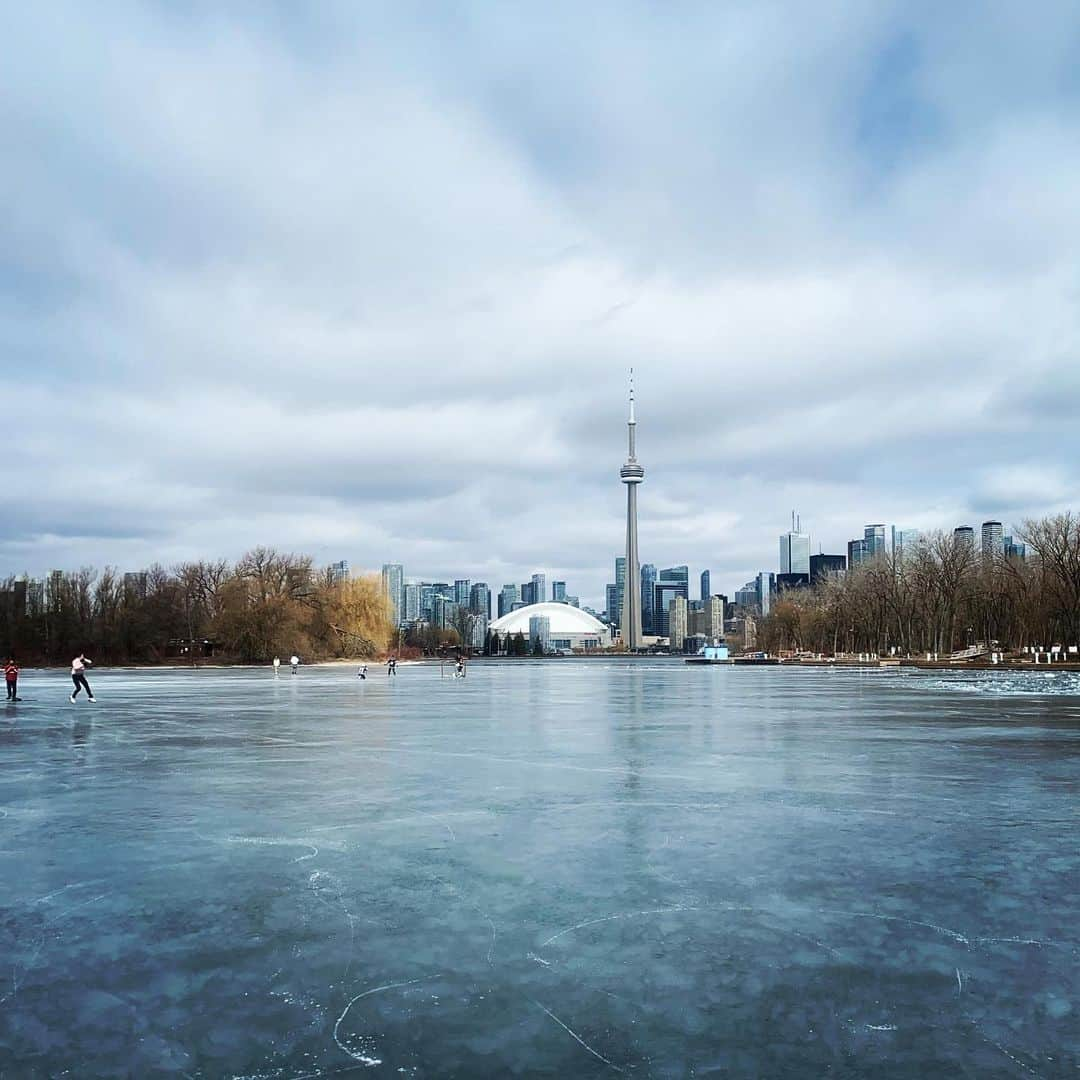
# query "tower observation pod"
(631, 475)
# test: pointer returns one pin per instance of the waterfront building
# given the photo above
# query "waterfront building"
(874, 541)
(964, 537)
(411, 592)
(765, 587)
(678, 617)
(620, 588)
(539, 633)
(795, 553)
(714, 618)
(904, 542)
(706, 591)
(480, 599)
(631, 475)
(461, 592)
(993, 540)
(558, 592)
(648, 598)
(508, 597)
(393, 579)
(670, 583)
(611, 604)
(567, 627)
(338, 572)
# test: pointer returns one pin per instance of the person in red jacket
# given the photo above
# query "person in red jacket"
(11, 677)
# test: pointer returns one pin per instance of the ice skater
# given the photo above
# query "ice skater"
(459, 672)
(391, 666)
(78, 676)
(295, 661)
(277, 664)
(362, 673)
(11, 678)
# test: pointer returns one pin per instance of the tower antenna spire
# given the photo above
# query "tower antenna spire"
(631, 475)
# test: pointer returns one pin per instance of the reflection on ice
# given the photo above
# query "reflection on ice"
(575, 867)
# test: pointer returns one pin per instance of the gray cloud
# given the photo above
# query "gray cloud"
(367, 284)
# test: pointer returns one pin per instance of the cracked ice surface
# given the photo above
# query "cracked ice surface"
(567, 867)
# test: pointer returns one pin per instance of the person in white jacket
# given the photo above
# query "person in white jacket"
(78, 676)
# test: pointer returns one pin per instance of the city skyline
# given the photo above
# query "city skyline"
(838, 256)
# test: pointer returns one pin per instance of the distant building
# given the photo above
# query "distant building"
(620, 589)
(427, 595)
(746, 598)
(480, 599)
(670, 583)
(904, 542)
(706, 589)
(393, 583)
(714, 616)
(1014, 549)
(795, 553)
(540, 632)
(765, 589)
(874, 541)
(35, 597)
(611, 604)
(539, 588)
(573, 601)
(338, 572)
(964, 537)
(856, 553)
(508, 597)
(411, 591)
(677, 619)
(558, 592)
(823, 566)
(993, 540)
(787, 582)
(461, 592)
(648, 597)
(443, 610)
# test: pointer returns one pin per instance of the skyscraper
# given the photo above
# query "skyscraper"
(648, 598)
(539, 588)
(874, 541)
(678, 624)
(823, 566)
(631, 474)
(794, 553)
(480, 599)
(508, 597)
(393, 581)
(670, 583)
(993, 540)
(620, 586)
(338, 571)
(461, 592)
(903, 543)
(856, 553)
(964, 537)
(558, 592)
(766, 586)
(705, 593)
(412, 601)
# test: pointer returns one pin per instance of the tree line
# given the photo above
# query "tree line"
(941, 597)
(266, 604)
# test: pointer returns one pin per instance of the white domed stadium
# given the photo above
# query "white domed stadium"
(567, 627)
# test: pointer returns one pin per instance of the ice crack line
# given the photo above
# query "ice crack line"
(367, 993)
(577, 1038)
(955, 935)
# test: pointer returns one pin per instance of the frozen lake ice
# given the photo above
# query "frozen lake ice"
(571, 867)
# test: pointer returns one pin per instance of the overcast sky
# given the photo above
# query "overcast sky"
(368, 285)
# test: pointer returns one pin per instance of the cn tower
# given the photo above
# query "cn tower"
(632, 474)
